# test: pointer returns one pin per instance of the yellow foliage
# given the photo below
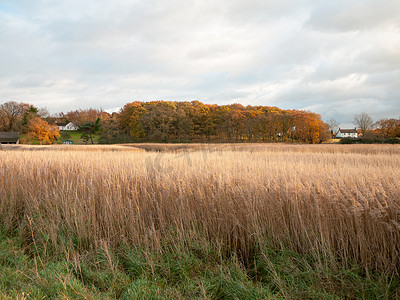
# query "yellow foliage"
(42, 131)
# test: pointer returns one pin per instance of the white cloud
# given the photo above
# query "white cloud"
(354, 15)
(336, 58)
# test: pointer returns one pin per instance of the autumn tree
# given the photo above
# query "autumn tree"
(232, 121)
(388, 128)
(284, 122)
(272, 127)
(182, 123)
(29, 114)
(200, 117)
(82, 116)
(129, 119)
(309, 128)
(249, 123)
(111, 133)
(42, 131)
(260, 127)
(159, 119)
(11, 115)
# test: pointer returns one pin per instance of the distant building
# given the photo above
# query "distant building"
(67, 142)
(350, 133)
(67, 126)
(9, 137)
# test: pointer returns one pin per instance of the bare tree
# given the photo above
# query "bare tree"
(333, 125)
(43, 112)
(363, 121)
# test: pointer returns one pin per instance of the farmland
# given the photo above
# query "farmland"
(200, 221)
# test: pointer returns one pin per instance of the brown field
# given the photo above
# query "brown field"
(338, 203)
(69, 148)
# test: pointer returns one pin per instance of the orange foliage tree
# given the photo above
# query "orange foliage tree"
(388, 128)
(129, 119)
(42, 131)
(11, 115)
(195, 121)
(82, 116)
(309, 127)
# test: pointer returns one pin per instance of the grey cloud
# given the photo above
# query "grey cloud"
(336, 58)
(343, 15)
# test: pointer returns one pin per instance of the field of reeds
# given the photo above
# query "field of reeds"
(200, 221)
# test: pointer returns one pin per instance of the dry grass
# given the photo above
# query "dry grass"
(272, 147)
(60, 147)
(338, 203)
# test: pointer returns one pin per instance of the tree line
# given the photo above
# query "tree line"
(167, 121)
(171, 121)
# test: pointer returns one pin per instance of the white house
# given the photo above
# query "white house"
(67, 126)
(350, 133)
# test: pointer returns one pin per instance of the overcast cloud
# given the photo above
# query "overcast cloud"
(337, 58)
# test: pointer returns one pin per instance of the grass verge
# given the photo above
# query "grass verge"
(194, 271)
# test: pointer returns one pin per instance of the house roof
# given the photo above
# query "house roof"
(348, 130)
(62, 122)
(9, 136)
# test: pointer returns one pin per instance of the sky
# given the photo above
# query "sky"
(336, 58)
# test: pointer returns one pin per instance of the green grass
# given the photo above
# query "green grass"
(76, 137)
(195, 271)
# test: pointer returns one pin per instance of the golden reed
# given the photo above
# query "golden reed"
(339, 203)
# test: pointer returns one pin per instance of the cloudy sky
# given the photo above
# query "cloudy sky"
(337, 58)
